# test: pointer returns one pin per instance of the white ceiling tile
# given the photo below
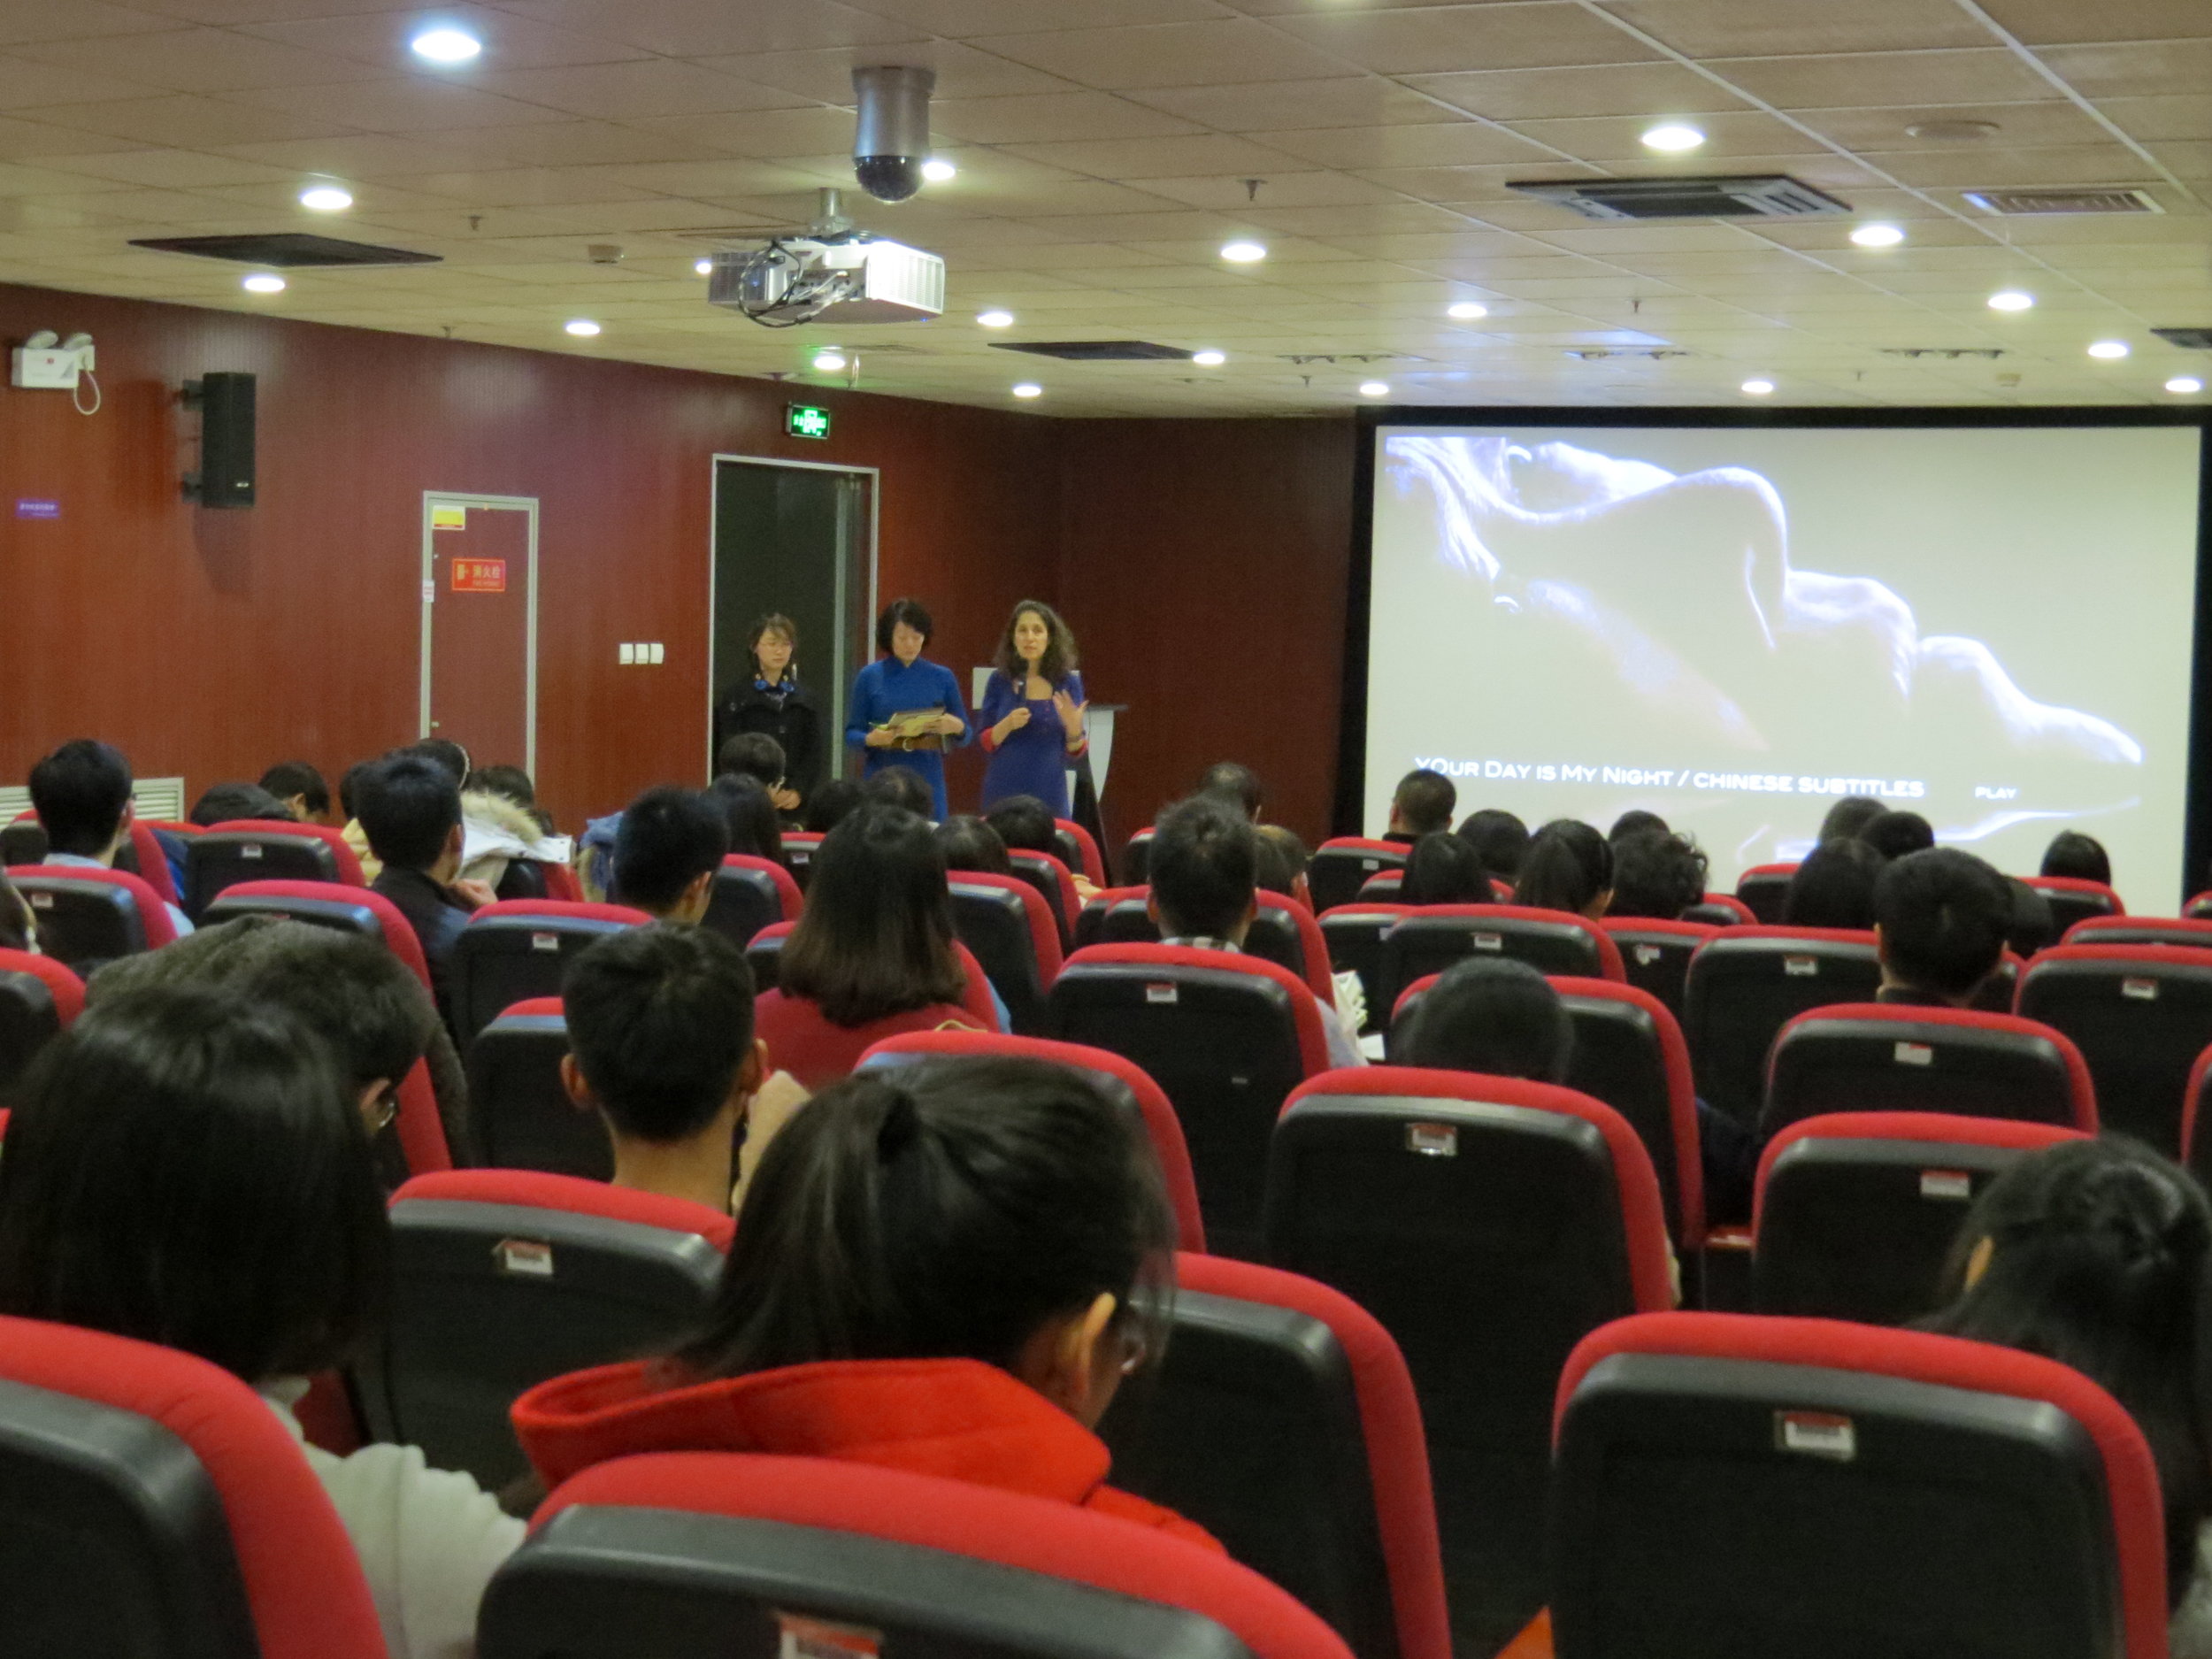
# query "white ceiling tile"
(700, 29)
(1446, 39)
(1746, 28)
(636, 90)
(1225, 50)
(192, 123)
(1458, 143)
(1049, 117)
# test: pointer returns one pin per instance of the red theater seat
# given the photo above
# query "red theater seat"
(799, 847)
(250, 849)
(1283, 932)
(1354, 935)
(353, 909)
(1655, 954)
(1737, 1485)
(1136, 856)
(2140, 1015)
(1341, 867)
(1430, 938)
(750, 894)
(1721, 909)
(522, 1115)
(39, 999)
(1010, 928)
(1079, 851)
(1053, 880)
(151, 1504)
(665, 1555)
(517, 949)
(1748, 983)
(2075, 901)
(2140, 930)
(88, 916)
(1763, 887)
(1885, 1057)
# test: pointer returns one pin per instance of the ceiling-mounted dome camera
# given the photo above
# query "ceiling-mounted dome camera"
(891, 141)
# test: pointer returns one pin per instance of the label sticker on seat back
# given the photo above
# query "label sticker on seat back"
(1432, 1140)
(545, 942)
(1816, 1434)
(1950, 1185)
(1646, 954)
(525, 1256)
(250, 849)
(802, 1636)
(1486, 941)
(1164, 993)
(2142, 990)
(1914, 1054)
(1800, 967)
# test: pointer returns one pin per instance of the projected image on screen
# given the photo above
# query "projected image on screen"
(1735, 628)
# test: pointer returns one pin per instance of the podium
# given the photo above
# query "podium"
(1089, 783)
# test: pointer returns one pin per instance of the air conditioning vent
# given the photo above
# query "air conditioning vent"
(1758, 195)
(1097, 350)
(2188, 339)
(288, 250)
(2019, 203)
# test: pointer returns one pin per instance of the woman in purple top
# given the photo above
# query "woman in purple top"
(1032, 711)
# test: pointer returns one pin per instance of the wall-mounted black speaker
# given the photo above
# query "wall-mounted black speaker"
(225, 476)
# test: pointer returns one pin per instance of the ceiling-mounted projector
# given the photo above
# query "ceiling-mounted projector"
(828, 273)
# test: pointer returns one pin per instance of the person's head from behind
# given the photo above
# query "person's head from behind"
(1635, 821)
(832, 804)
(1282, 861)
(969, 843)
(1569, 867)
(1896, 834)
(2092, 1252)
(1203, 871)
(302, 789)
(82, 793)
(447, 753)
(996, 1209)
(227, 802)
(1495, 1016)
(1940, 919)
(1835, 887)
(1441, 869)
(1500, 840)
(1657, 874)
(901, 786)
(876, 937)
(903, 629)
(755, 754)
(1849, 816)
(186, 1169)
(773, 641)
(410, 809)
(1234, 782)
(353, 784)
(1024, 824)
(1423, 803)
(509, 783)
(750, 815)
(670, 843)
(660, 1032)
(2077, 856)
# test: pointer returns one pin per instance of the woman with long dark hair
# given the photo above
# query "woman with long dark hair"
(1032, 717)
(905, 710)
(773, 702)
(1569, 867)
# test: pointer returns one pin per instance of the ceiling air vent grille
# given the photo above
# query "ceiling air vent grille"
(2017, 203)
(1755, 195)
(2188, 339)
(287, 250)
(1097, 350)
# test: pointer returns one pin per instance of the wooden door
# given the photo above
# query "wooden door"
(479, 633)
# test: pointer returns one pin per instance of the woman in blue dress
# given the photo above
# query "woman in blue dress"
(1031, 715)
(906, 711)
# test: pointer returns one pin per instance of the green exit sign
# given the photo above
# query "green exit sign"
(806, 420)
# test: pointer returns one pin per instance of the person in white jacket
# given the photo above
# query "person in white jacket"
(186, 1169)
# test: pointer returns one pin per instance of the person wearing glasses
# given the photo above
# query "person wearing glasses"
(966, 1331)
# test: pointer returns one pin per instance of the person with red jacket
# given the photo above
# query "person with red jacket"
(946, 1268)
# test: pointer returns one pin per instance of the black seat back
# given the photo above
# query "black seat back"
(1854, 1060)
(340, 914)
(1429, 940)
(993, 924)
(23, 841)
(1353, 934)
(1037, 870)
(524, 1118)
(1272, 937)
(741, 902)
(216, 859)
(1762, 892)
(1656, 955)
(501, 960)
(1336, 873)
(1747, 985)
(2140, 1015)
(29, 1019)
(82, 923)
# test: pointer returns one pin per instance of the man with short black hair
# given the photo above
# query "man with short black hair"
(902, 787)
(1204, 891)
(661, 1045)
(410, 812)
(302, 789)
(755, 755)
(1423, 805)
(82, 793)
(1234, 782)
(1940, 920)
(669, 846)
(229, 803)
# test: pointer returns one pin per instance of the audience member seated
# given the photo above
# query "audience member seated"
(969, 843)
(1657, 874)
(902, 787)
(1849, 817)
(82, 793)
(2034, 925)
(661, 1046)
(1204, 892)
(1835, 887)
(1500, 840)
(1569, 867)
(2079, 856)
(2093, 1253)
(301, 788)
(1442, 868)
(410, 809)
(19, 928)
(1636, 821)
(223, 802)
(871, 956)
(1234, 783)
(670, 843)
(1422, 806)
(755, 827)
(186, 1169)
(1026, 826)
(1498, 1017)
(511, 783)
(1283, 859)
(948, 1269)
(502, 827)
(832, 804)
(352, 783)
(1895, 835)
(1940, 917)
(753, 755)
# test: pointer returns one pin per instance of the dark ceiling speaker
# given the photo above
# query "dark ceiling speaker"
(227, 471)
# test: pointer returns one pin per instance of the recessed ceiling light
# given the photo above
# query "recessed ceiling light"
(994, 318)
(446, 46)
(1877, 235)
(325, 198)
(1029, 388)
(1673, 137)
(2010, 300)
(1466, 311)
(1209, 359)
(2108, 348)
(1950, 132)
(2185, 385)
(1243, 252)
(1758, 388)
(582, 327)
(263, 282)
(937, 170)
(1374, 389)
(828, 360)
(702, 267)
